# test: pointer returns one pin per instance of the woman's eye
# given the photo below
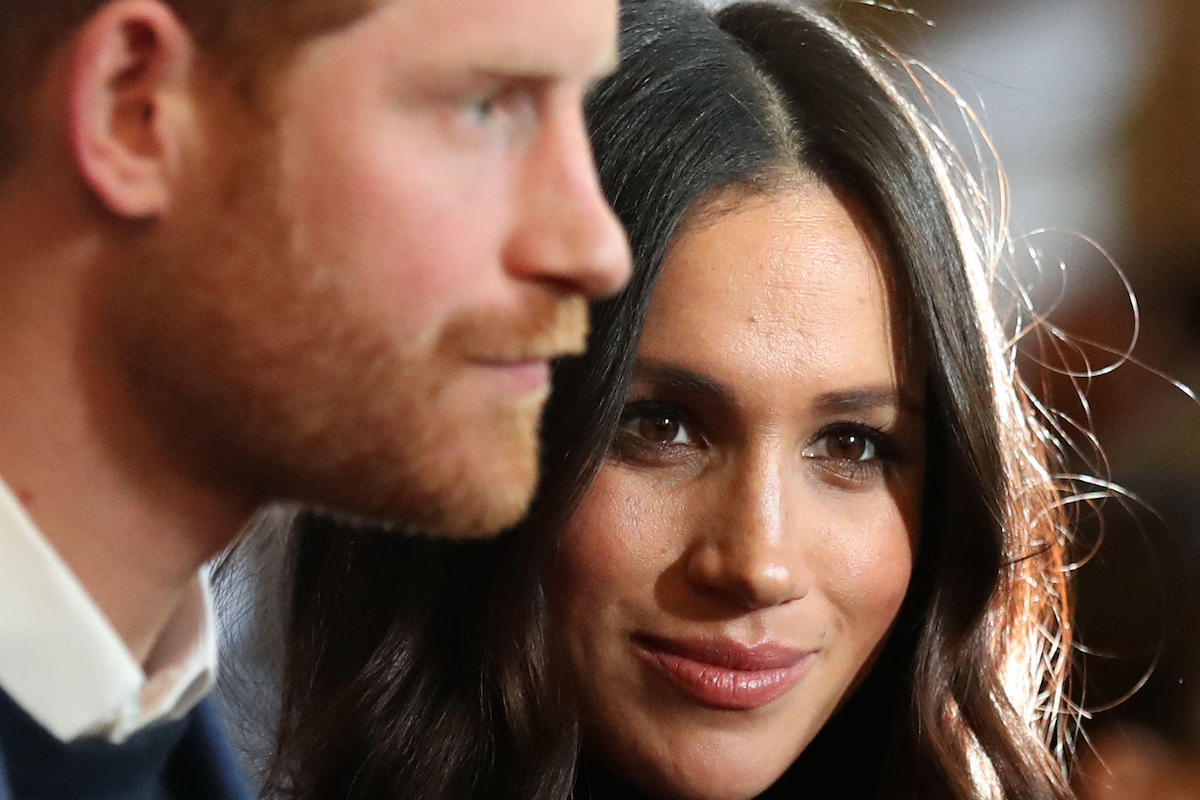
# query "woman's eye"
(852, 454)
(653, 432)
(660, 429)
(656, 427)
(846, 445)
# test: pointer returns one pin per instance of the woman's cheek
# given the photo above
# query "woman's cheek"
(608, 541)
(604, 587)
(869, 571)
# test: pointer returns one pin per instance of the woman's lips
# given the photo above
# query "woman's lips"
(723, 673)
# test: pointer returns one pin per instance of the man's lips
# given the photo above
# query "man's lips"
(522, 374)
(724, 673)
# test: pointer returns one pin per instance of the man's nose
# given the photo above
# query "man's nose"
(565, 231)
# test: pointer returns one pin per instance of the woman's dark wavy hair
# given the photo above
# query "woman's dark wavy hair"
(421, 669)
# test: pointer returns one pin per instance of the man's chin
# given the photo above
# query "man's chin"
(492, 485)
(478, 502)
(490, 509)
(467, 472)
(476, 527)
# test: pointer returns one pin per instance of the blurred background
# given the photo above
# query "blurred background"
(1094, 109)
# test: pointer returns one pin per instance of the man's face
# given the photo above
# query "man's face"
(357, 306)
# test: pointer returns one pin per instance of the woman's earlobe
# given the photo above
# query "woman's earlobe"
(129, 105)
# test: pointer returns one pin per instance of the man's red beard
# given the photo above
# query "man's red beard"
(275, 378)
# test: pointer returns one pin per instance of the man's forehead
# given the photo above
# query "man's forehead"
(534, 37)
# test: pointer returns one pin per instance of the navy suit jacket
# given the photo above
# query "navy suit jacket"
(206, 758)
(202, 766)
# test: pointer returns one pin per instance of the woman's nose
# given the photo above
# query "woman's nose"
(746, 552)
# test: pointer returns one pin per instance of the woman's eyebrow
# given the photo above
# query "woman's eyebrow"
(859, 398)
(665, 373)
(866, 398)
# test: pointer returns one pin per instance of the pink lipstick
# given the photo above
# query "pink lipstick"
(723, 673)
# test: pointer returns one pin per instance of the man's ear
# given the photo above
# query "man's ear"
(130, 106)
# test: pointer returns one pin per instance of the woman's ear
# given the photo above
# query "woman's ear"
(131, 105)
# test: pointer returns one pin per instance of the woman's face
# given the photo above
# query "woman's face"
(748, 542)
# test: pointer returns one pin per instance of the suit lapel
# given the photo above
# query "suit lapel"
(5, 790)
(205, 766)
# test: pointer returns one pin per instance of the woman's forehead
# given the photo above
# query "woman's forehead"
(789, 284)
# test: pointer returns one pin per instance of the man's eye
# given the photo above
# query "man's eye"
(481, 110)
(511, 111)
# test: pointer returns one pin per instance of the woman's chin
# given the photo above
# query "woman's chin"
(725, 790)
(683, 761)
(717, 779)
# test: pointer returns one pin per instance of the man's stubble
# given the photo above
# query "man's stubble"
(270, 374)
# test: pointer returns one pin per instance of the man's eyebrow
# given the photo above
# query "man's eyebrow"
(507, 72)
(667, 374)
(520, 66)
(867, 398)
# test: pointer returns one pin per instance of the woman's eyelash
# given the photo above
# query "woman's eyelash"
(856, 440)
(853, 451)
(653, 431)
(660, 423)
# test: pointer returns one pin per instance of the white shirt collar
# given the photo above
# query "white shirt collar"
(62, 661)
